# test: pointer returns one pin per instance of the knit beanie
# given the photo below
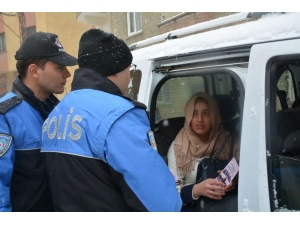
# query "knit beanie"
(103, 52)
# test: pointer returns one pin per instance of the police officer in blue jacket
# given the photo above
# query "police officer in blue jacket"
(97, 153)
(41, 63)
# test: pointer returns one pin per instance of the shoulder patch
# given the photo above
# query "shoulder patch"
(5, 141)
(9, 103)
(151, 139)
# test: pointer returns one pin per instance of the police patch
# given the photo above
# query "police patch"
(152, 140)
(5, 141)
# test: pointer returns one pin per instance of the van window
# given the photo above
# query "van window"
(286, 89)
(287, 180)
(134, 84)
(174, 93)
(283, 132)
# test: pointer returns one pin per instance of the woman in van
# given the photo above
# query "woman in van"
(201, 135)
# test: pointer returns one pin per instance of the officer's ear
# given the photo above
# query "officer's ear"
(33, 70)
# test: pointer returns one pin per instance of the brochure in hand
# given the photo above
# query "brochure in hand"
(229, 172)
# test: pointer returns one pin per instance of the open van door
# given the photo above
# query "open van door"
(269, 177)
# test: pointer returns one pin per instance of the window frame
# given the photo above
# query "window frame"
(134, 25)
(3, 42)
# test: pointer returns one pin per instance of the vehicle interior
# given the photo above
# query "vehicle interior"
(173, 91)
(283, 128)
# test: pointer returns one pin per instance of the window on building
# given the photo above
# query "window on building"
(2, 43)
(134, 22)
(30, 30)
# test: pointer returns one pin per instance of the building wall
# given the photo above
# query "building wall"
(190, 19)
(30, 19)
(1, 24)
(155, 23)
(149, 26)
(7, 59)
(3, 57)
(119, 25)
(168, 15)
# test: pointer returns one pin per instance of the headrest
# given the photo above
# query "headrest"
(227, 107)
(171, 126)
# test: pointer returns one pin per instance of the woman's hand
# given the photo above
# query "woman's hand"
(210, 188)
(231, 186)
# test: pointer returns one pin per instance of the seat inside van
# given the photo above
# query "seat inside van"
(288, 132)
(169, 128)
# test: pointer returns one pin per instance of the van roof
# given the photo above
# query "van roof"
(271, 27)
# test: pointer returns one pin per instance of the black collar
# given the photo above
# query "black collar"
(89, 79)
(43, 107)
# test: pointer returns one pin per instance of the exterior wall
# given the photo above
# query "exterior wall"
(3, 62)
(119, 25)
(3, 57)
(189, 20)
(168, 15)
(30, 19)
(1, 24)
(149, 28)
(156, 23)
(7, 59)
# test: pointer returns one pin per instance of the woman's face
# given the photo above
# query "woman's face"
(201, 122)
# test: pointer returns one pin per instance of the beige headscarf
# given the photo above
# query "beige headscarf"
(188, 146)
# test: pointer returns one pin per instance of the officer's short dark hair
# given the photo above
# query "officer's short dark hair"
(22, 65)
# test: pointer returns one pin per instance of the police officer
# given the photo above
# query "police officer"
(41, 63)
(97, 153)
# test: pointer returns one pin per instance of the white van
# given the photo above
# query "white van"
(253, 70)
